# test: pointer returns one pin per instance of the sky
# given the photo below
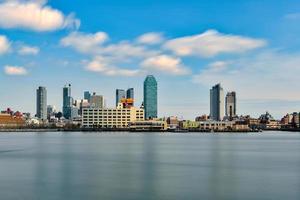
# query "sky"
(251, 47)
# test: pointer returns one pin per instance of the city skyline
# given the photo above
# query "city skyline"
(187, 51)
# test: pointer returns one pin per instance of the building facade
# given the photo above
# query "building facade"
(217, 103)
(230, 105)
(150, 97)
(67, 101)
(97, 101)
(111, 118)
(130, 93)
(41, 103)
(120, 94)
(87, 96)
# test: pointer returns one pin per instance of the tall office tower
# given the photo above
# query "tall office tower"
(230, 105)
(150, 97)
(87, 96)
(120, 94)
(97, 101)
(41, 103)
(130, 95)
(67, 101)
(217, 103)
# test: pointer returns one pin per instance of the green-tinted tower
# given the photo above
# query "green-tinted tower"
(150, 97)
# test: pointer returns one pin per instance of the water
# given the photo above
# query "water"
(54, 166)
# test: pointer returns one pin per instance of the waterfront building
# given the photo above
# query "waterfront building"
(120, 94)
(230, 105)
(67, 101)
(202, 118)
(150, 97)
(87, 96)
(173, 122)
(97, 101)
(8, 120)
(207, 125)
(149, 125)
(217, 103)
(41, 103)
(111, 117)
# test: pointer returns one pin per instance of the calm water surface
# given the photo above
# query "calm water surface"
(61, 166)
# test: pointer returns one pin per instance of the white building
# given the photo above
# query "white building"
(111, 117)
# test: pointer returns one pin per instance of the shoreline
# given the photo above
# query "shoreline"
(24, 130)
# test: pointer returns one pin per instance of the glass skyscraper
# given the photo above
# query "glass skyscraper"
(41, 103)
(120, 94)
(67, 101)
(87, 96)
(130, 93)
(217, 103)
(150, 97)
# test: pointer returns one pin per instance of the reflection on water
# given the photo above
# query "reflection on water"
(149, 166)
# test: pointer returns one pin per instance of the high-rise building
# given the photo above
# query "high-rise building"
(130, 93)
(230, 105)
(150, 97)
(51, 110)
(217, 103)
(97, 101)
(67, 101)
(87, 96)
(41, 103)
(120, 94)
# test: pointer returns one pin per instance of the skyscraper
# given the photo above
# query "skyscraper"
(130, 94)
(97, 101)
(120, 94)
(150, 97)
(217, 103)
(67, 101)
(41, 103)
(87, 96)
(230, 105)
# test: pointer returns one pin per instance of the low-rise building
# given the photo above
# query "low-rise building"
(8, 120)
(110, 117)
(207, 125)
(149, 125)
(173, 122)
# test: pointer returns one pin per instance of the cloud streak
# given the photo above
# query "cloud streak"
(28, 50)
(15, 70)
(212, 43)
(34, 15)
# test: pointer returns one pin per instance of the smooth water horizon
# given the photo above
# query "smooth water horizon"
(116, 165)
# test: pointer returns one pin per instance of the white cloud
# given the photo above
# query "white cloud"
(125, 50)
(4, 44)
(150, 38)
(165, 63)
(15, 70)
(28, 50)
(268, 75)
(85, 43)
(34, 15)
(212, 43)
(103, 66)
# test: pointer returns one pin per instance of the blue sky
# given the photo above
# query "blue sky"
(251, 47)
